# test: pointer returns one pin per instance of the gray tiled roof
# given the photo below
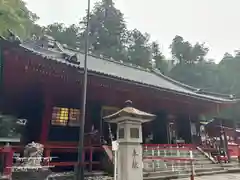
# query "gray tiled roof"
(127, 72)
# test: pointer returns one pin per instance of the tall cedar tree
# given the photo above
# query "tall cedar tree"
(107, 34)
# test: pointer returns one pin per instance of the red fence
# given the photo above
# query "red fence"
(66, 148)
(234, 150)
(167, 157)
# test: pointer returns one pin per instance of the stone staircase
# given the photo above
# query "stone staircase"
(176, 169)
(157, 168)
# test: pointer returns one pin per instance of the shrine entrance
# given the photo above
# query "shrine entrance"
(169, 129)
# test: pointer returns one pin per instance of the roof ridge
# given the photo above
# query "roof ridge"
(151, 71)
(158, 73)
(120, 62)
(196, 90)
(230, 96)
(130, 65)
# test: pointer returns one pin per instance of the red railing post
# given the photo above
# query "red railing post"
(8, 160)
(91, 158)
(192, 167)
(239, 155)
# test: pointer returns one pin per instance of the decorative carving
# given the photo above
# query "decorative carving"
(30, 165)
(12, 37)
(135, 164)
(33, 153)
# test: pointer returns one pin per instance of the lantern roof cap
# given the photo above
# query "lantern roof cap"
(130, 111)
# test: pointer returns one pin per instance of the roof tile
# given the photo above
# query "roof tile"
(124, 71)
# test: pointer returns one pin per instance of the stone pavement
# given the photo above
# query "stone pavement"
(232, 176)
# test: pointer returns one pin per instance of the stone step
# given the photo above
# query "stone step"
(195, 162)
(204, 163)
(230, 165)
(183, 175)
(207, 165)
(182, 168)
(200, 157)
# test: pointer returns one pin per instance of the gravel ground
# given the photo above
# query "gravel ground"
(70, 176)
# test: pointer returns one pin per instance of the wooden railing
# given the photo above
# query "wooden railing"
(66, 148)
(72, 148)
(91, 147)
(233, 151)
(155, 156)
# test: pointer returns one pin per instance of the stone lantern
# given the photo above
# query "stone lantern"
(129, 137)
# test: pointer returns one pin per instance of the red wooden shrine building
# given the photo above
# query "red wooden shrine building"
(223, 133)
(41, 81)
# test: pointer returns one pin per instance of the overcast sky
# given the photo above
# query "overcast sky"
(215, 22)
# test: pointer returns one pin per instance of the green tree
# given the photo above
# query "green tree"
(228, 82)
(198, 52)
(14, 15)
(159, 58)
(229, 68)
(65, 35)
(180, 49)
(139, 48)
(186, 53)
(192, 67)
(107, 35)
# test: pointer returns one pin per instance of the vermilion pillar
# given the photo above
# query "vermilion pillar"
(8, 163)
(46, 118)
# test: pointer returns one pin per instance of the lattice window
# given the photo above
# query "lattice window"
(65, 116)
(74, 117)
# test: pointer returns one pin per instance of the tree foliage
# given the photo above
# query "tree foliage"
(194, 69)
(66, 35)
(107, 31)
(139, 49)
(187, 53)
(191, 65)
(109, 36)
(229, 69)
(14, 15)
(159, 58)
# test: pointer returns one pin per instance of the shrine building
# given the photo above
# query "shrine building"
(41, 81)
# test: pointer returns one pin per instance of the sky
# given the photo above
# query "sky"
(215, 22)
